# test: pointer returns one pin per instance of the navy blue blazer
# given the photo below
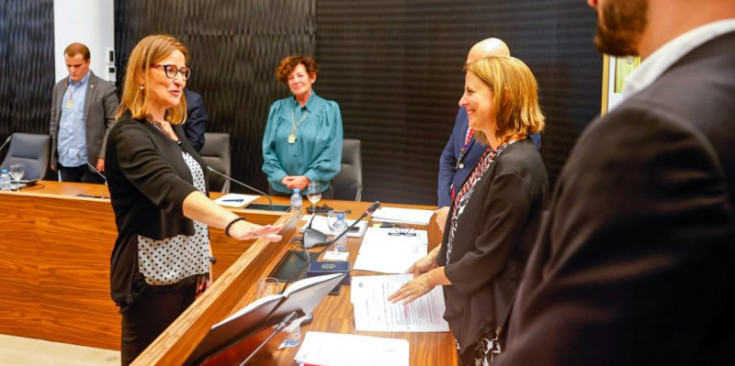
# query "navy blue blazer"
(450, 171)
(196, 122)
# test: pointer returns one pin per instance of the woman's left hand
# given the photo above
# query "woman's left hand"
(413, 289)
(203, 283)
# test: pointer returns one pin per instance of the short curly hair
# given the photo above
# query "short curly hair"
(289, 63)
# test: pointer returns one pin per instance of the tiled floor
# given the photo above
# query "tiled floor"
(18, 351)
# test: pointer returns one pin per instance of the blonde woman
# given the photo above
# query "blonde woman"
(161, 258)
(495, 214)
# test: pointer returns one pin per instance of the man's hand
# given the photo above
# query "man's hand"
(101, 165)
(441, 217)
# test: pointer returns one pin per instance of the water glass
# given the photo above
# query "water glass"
(17, 171)
(268, 286)
(314, 194)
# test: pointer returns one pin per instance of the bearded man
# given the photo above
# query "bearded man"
(634, 264)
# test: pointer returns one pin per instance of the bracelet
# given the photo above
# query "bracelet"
(229, 225)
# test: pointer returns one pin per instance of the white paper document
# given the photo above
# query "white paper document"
(374, 313)
(320, 223)
(383, 252)
(332, 349)
(403, 215)
(236, 199)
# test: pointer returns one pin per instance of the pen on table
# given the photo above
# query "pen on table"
(233, 200)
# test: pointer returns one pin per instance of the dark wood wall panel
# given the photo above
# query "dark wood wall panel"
(395, 67)
(26, 66)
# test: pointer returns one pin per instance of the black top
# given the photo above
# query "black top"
(492, 240)
(148, 181)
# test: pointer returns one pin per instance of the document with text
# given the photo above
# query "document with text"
(374, 313)
(382, 251)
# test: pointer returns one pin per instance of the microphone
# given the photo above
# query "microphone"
(367, 212)
(270, 201)
(7, 140)
(91, 167)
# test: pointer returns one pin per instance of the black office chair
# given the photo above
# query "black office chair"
(216, 152)
(347, 184)
(30, 149)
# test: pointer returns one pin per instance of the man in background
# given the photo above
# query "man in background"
(634, 264)
(83, 110)
(196, 120)
(461, 153)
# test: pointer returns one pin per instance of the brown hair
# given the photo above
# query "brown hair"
(515, 97)
(148, 51)
(77, 48)
(289, 63)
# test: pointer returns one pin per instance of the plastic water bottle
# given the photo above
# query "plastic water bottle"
(340, 226)
(5, 180)
(296, 200)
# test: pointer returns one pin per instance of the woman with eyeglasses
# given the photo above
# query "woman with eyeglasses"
(157, 183)
(496, 213)
(303, 136)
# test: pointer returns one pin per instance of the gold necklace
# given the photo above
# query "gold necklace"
(294, 125)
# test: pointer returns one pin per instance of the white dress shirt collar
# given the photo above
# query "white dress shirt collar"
(660, 60)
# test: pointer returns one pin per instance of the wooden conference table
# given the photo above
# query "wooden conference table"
(54, 273)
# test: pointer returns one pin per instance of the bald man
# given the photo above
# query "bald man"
(461, 153)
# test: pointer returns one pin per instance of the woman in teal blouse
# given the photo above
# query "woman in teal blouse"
(303, 136)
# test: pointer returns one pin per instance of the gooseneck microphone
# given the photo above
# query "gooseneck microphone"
(92, 168)
(270, 201)
(367, 212)
(7, 140)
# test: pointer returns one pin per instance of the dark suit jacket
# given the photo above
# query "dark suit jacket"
(492, 241)
(196, 121)
(634, 265)
(448, 172)
(100, 105)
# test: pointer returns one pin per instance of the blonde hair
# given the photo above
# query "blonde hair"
(147, 52)
(515, 97)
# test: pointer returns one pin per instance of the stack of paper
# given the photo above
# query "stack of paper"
(403, 215)
(331, 349)
(382, 252)
(320, 223)
(236, 199)
(374, 313)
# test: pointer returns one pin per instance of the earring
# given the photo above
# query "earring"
(141, 87)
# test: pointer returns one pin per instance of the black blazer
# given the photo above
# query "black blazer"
(492, 241)
(634, 265)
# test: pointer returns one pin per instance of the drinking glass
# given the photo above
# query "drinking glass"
(16, 172)
(314, 194)
(267, 286)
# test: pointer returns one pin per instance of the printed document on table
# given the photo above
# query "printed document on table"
(332, 349)
(236, 199)
(374, 313)
(403, 215)
(382, 252)
(320, 223)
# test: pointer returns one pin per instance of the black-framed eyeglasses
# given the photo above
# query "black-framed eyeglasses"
(172, 70)
(402, 231)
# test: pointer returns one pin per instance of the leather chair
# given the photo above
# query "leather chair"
(30, 149)
(347, 184)
(216, 152)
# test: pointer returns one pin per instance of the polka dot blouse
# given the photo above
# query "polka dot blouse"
(168, 261)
